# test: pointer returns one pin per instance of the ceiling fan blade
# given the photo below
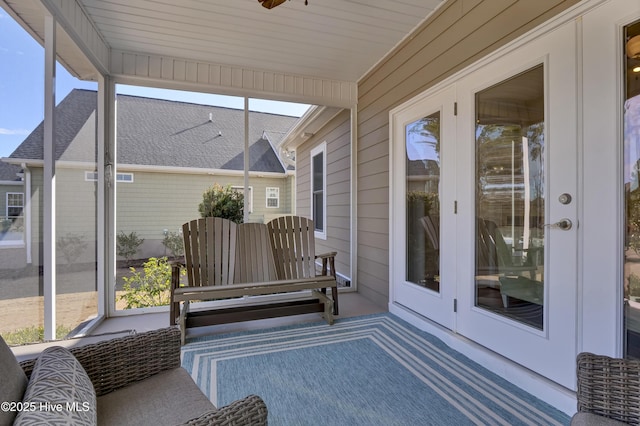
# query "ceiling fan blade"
(270, 4)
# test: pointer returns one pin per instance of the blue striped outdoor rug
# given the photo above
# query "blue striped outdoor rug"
(372, 370)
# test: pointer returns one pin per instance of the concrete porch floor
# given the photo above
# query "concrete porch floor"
(352, 304)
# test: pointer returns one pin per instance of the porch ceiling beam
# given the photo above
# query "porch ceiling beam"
(185, 74)
(72, 17)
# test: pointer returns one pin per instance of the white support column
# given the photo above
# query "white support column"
(354, 198)
(106, 236)
(246, 159)
(49, 184)
(101, 207)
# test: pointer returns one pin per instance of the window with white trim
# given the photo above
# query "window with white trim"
(240, 189)
(15, 204)
(124, 177)
(273, 197)
(319, 189)
(120, 177)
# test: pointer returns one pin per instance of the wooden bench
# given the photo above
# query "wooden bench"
(225, 261)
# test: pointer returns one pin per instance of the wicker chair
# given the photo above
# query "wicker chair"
(608, 390)
(128, 373)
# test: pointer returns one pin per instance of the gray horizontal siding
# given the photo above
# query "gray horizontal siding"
(456, 35)
(337, 134)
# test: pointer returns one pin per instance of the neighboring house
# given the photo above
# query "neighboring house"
(11, 206)
(168, 154)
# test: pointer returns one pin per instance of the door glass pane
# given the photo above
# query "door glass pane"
(510, 198)
(632, 192)
(423, 201)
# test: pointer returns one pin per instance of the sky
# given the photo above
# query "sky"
(22, 88)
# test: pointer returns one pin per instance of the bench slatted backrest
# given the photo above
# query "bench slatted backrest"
(210, 250)
(254, 260)
(293, 245)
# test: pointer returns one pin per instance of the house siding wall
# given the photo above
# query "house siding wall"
(158, 201)
(455, 36)
(154, 202)
(337, 134)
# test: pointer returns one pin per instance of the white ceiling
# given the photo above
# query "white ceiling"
(334, 39)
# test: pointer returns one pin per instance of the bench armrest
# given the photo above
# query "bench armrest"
(326, 255)
(247, 411)
(176, 263)
(116, 363)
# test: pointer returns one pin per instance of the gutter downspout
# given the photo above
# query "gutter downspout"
(27, 212)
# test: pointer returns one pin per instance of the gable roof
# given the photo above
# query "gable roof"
(9, 172)
(156, 132)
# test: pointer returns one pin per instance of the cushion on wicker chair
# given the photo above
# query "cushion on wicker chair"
(589, 419)
(14, 381)
(170, 397)
(59, 392)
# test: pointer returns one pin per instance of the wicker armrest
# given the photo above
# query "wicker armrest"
(248, 411)
(116, 363)
(609, 387)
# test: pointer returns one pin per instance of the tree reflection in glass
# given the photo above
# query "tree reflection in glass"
(423, 201)
(510, 198)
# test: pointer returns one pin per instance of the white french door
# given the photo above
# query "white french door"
(423, 222)
(528, 205)
(507, 164)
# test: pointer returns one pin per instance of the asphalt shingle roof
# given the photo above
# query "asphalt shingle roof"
(158, 132)
(8, 172)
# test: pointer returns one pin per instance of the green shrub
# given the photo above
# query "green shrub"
(634, 285)
(71, 246)
(127, 245)
(173, 242)
(224, 202)
(34, 334)
(150, 287)
(5, 224)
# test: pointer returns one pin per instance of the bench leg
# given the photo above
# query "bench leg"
(334, 296)
(328, 305)
(174, 307)
(334, 290)
(183, 322)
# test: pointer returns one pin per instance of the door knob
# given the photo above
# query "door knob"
(563, 224)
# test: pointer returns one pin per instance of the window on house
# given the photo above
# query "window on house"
(124, 177)
(15, 204)
(120, 177)
(273, 198)
(318, 189)
(250, 200)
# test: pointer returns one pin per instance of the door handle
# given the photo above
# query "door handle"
(563, 224)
